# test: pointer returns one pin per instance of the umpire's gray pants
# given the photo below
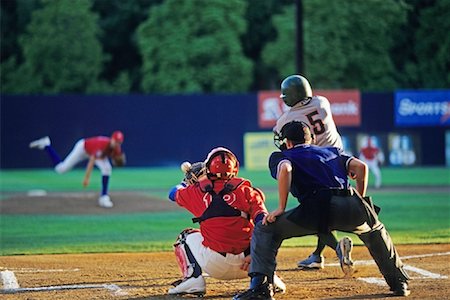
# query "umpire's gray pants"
(348, 214)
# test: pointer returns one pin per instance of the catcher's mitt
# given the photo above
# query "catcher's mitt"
(119, 160)
(194, 172)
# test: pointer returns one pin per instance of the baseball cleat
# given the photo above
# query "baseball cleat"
(192, 286)
(402, 290)
(40, 143)
(278, 285)
(105, 201)
(344, 253)
(312, 262)
(262, 292)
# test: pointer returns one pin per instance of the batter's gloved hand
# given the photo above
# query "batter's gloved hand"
(119, 160)
(194, 173)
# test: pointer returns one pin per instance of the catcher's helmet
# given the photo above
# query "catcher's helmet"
(295, 88)
(221, 163)
(295, 131)
(117, 136)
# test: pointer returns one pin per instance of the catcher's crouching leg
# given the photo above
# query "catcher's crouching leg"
(193, 281)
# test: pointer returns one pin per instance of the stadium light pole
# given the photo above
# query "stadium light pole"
(299, 62)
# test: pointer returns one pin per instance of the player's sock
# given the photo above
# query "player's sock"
(53, 155)
(105, 182)
(257, 280)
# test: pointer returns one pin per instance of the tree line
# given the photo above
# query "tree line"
(220, 46)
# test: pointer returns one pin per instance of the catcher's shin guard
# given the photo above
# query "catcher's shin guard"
(385, 255)
(189, 266)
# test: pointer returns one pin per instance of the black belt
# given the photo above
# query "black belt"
(341, 193)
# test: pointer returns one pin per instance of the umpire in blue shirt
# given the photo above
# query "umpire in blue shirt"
(318, 178)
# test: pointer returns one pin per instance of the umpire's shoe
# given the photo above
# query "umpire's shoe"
(401, 289)
(261, 292)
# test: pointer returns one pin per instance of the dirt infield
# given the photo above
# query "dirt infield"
(149, 275)
(77, 203)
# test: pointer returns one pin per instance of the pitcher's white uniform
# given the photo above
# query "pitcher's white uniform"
(317, 114)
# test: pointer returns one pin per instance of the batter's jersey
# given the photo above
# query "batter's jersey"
(99, 147)
(317, 114)
(313, 168)
(224, 234)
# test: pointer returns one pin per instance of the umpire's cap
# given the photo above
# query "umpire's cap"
(298, 132)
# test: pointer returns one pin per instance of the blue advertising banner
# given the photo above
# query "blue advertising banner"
(422, 108)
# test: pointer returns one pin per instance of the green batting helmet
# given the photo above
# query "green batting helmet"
(295, 88)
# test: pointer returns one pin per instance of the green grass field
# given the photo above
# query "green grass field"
(411, 217)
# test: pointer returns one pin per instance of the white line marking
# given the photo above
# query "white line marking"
(425, 273)
(33, 270)
(425, 255)
(115, 289)
(372, 262)
(9, 280)
(373, 280)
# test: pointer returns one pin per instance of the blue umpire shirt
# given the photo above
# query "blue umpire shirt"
(313, 168)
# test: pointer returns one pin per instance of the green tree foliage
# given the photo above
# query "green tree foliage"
(260, 31)
(93, 46)
(193, 46)
(61, 52)
(279, 55)
(15, 15)
(432, 46)
(118, 20)
(346, 43)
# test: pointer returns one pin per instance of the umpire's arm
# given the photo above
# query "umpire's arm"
(361, 175)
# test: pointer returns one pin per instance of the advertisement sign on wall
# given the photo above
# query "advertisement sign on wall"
(422, 108)
(404, 149)
(447, 148)
(257, 149)
(395, 149)
(345, 107)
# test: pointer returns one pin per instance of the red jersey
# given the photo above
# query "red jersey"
(369, 152)
(99, 147)
(224, 234)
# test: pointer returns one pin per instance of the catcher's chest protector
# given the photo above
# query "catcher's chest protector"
(218, 206)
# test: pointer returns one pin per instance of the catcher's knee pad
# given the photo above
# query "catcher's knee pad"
(189, 266)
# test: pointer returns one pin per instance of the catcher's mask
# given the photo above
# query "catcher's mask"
(221, 163)
(295, 89)
(296, 131)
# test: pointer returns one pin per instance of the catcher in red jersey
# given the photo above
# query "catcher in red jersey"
(227, 208)
(315, 111)
(98, 150)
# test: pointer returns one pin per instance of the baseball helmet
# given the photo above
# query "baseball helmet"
(295, 131)
(117, 136)
(221, 163)
(294, 89)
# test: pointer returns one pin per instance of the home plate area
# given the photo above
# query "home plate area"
(149, 275)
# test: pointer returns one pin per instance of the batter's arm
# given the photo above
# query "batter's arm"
(89, 168)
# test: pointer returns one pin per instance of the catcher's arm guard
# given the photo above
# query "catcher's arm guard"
(119, 160)
(194, 173)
